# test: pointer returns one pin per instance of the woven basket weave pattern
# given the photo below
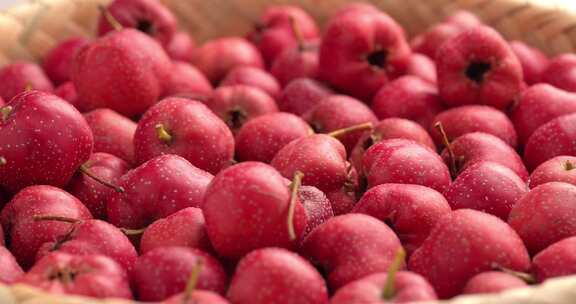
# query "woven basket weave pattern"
(550, 29)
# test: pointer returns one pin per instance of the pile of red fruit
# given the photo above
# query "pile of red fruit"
(289, 166)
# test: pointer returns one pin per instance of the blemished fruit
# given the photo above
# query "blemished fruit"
(351, 246)
(463, 244)
(252, 199)
(156, 189)
(478, 67)
(186, 128)
(44, 141)
(492, 282)
(408, 97)
(184, 228)
(128, 80)
(545, 215)
(557, 169)
(18, 77)
(276, 275)
(24, 234)
(148, 16)
(410, 210)
(163, 272)
(63, 273)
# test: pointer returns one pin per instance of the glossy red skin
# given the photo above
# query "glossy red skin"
(404, 162)
(545, 215)
(533, 61)
(500, 84)
(430, 41)
(252, 76)
(408, 97)
(410, 210)
(93, 237)
(91, 193)
(488, 187)
(560, 72)
(24, 234)
(338, 112)
(163, 272)
(409, 287)
(475, 147)
(422, 67)
(351, 246)
(538, 105)
(246, 200)
(262, 137)
(318, 207)
(181, 47)
(10, 271)
(130, 78)
(187, 80)
(197, 297)
(298, 62)
(44, 141)
(113, 133)
(552, 139)
(558, 259)
(389, 128)
(557, 169)
(349, 39)
(320, 157)
(474, 118)
(156, 189)
(492, 282)
(17, 76)
(342, 200)
(248, 100)
(67, 91)
(57, 64)
(130, 12)
(198, 135)
(301, 95)
(219, 56)
(463, 244)
(275, 275)
(185, 228)
(105, 278)
(274, 34)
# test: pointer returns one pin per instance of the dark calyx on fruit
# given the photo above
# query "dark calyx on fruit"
(476, 71)
(236, 118)
(569, 166)
(378, 58)
(145, 26)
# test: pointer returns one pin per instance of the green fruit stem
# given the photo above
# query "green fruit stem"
(294, 186)
(389, 287)
(162, 133)
(361, 127)
(111, 19)
(192, 281)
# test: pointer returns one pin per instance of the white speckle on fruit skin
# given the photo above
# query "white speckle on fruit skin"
(275, 275)
(45, 149)
(556, 137)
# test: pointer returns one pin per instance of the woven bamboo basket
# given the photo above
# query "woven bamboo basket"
(545, 24)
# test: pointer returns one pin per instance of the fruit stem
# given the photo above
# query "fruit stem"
(5, 112)
(192, 281)
(111, 19)
(28, 87)
(389, 290)
(446, 142)
(344, 131)
(163, 135)
(108, 184)
(3, 161)
(129, 232)
(294, 186)
(297, 33)
(526, 277)
(38, 218)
